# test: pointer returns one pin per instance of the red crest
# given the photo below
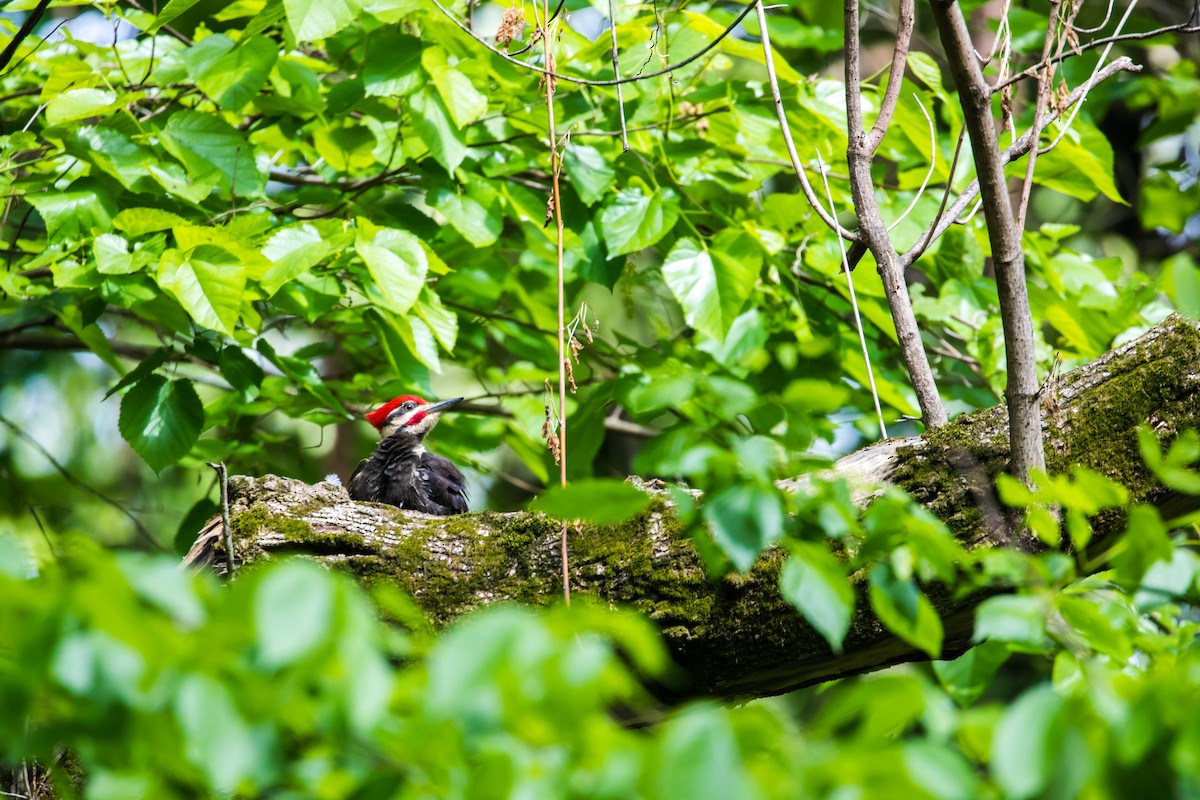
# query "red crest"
(380, 415)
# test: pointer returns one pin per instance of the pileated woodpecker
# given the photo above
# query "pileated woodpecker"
(401, 472)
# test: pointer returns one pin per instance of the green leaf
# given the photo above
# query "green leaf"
(602, 501)
(404, 364)
(905, 610)
(967, 677)
(294, 250)
(462, 99)
(712, 286)
(1027, 746)
(1016, 619)
(1181, 281)
(926, 69)
(170, 11)
(208, 283)
(147, 367)
(216, 737)
(634, 220)
(815, 583)
(243, 374)
(211, 148)
(346, 147)
(941, 770)
(139, 221)
(161, 420)
(393, 64)
(441, 321)
(303, 373)
(1145, 543)
(396, 261)
(293, 612)
(700, 759)
(113, 256)
(437, 129)
(231, 73)
(73, 215)
(468, 216)
(1081, 166)
(745, 520)
(589, 172)
(318, 19)
(76, 104)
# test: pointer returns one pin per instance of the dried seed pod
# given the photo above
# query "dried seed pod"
(511, 25)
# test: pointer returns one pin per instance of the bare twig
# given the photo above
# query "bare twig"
(1024, 414)
(887, 107)
(862, 339)
(1099, 64)
(933, 148)
(74, 481)
(616, 61)
(1190, 25)
(547, 72)
(769, 57)
(226, 528)
(1043, 92)
(556, 200)
(1014, 151)
(873, 233)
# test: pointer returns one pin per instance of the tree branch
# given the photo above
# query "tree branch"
(31, 22)
(1017, 149)
(873, 233)
(887, 107)
(736, 637)
(786, 130)
(1024, 416)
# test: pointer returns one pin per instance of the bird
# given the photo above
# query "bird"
(401, 472)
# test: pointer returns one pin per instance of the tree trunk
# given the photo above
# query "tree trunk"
(736, 637)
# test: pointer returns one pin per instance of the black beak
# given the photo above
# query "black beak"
(442, 405)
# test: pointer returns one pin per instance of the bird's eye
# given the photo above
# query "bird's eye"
(409, 406)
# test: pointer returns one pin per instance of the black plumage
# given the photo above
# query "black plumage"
(401, 472)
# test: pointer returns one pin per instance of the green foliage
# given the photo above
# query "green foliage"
(262, 217)
(595, 500)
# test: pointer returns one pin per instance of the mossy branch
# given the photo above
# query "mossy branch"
(735, 637)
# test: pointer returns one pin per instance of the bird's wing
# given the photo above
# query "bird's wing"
(445, 484)
(358, 486)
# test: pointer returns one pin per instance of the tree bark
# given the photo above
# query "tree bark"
(975, 94)
(736, 637)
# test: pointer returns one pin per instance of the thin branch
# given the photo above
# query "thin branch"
(919, 248)
(1014, 151)
(1039, 108)
(31, 22)
(786, 129)
(226, 528)
(74, 481)
(166, 28)
(873, 233)
(862, 338)
(891, 95)
(1024, 414)
(556, 201)
(932, 165)
(1098, 28)
(587, 81)
(1190, 25)
(616, 61)
(1075, 110)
